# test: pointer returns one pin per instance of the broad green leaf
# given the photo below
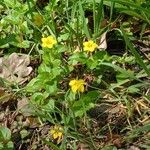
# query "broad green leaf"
(85, 103)
(8, 40)
(5, 134)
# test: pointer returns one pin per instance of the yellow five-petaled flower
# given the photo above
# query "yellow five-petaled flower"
(48, 42)
(89, 46)
(77, 85)
(57, 133)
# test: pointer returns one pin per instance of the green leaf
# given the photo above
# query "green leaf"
(77, 57)
(85, 103)
(9, 146)
(24, 133)
(121, 76)
(5, 134)
(1, 146)
(38, 98)
(49, 105)
(56, 71)
(5, 139)
(133, 89)
(92, 63)
(44, 68)
(35, 84)
(51, 87)
(23, 44)
(85, 26)
(8, 40)
(97, 15)
(12, 4)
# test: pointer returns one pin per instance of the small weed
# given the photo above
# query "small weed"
(90, 87)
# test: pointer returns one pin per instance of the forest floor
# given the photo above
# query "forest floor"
(74, 75)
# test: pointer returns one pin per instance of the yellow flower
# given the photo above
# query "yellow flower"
(57, 133)
(48, 42)
(77, 85)
(89, 46)
(38, 20)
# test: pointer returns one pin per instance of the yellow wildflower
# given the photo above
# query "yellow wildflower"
(38, 20)
(77, 85)
(57, 133)
(48, 42)
(89, 46)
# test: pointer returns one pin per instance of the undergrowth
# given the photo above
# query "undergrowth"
(89, 85)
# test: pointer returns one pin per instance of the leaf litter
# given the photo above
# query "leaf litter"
(15, 68)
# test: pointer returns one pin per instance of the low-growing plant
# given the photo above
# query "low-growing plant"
(5, 139)
(76, 69)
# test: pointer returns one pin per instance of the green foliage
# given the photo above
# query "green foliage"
(85, 103)
(24, 24)
(5, 139)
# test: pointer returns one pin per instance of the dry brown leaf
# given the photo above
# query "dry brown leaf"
(32, 122)
(103, 42)
(15, 68)
(133, 148)
(24, 107)
(83, 146)
(4, 96)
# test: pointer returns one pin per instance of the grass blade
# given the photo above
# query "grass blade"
(85, 26)
(135, 53)
(98, 16)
